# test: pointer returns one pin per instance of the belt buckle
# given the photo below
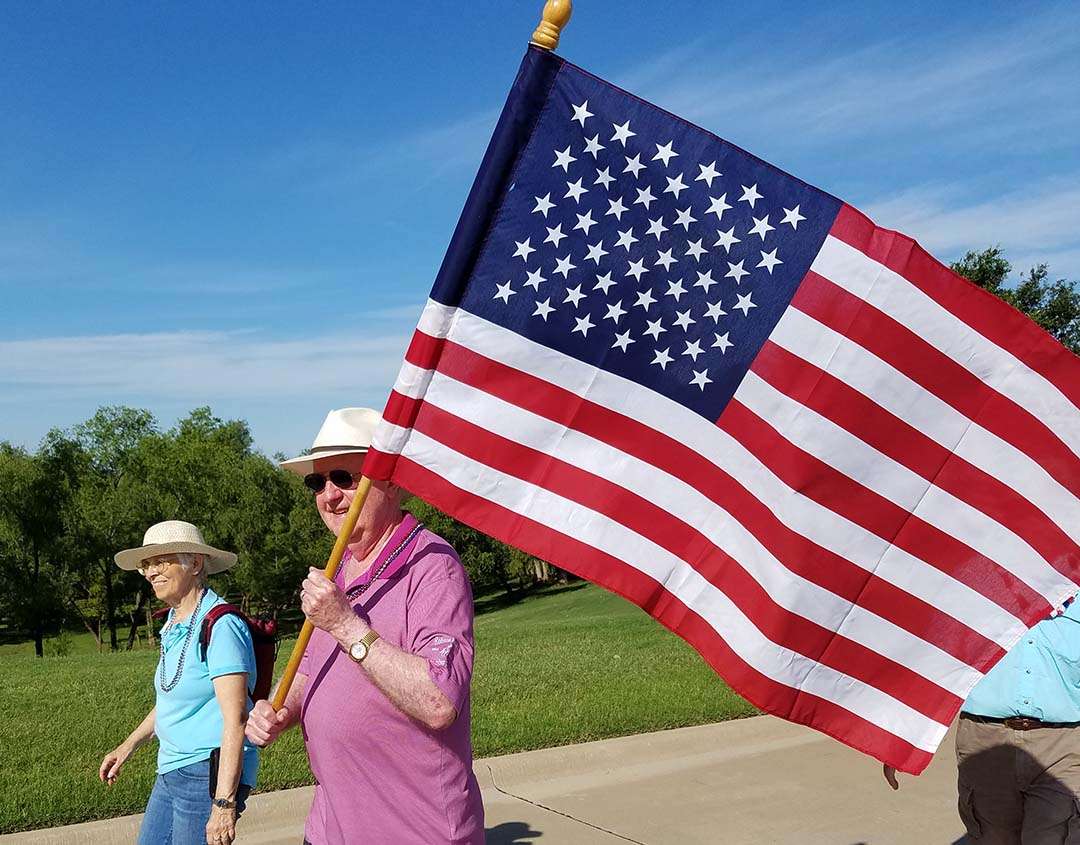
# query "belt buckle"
(1021, 723)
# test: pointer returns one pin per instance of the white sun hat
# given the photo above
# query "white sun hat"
(347, 431)
(174, 536)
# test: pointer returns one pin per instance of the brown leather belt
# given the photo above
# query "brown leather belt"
(1018, 723)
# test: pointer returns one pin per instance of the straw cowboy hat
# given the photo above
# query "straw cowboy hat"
(347, 431)
(175, 536)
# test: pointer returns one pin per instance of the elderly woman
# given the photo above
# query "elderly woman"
(202, 703)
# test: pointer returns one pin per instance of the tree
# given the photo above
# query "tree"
(1053, 305)
(112, 506)
(34, 498)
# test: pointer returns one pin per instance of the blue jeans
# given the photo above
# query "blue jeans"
(179, 807)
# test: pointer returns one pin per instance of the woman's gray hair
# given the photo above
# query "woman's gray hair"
(188, 559)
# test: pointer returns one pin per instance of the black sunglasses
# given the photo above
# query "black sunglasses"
(342, 478)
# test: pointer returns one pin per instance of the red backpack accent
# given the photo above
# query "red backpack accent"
(263, 637)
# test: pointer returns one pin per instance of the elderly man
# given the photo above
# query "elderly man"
(382, 694)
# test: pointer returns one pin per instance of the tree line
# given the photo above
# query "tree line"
(92, 490)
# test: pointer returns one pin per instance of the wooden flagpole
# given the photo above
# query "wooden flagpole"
(331, 570)
(555, 16)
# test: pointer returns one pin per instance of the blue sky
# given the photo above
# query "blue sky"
(244, 205)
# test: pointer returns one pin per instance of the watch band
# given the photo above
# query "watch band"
(225, 803)
(369, 638)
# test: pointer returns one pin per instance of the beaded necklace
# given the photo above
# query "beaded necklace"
(171, 685)
(360, 589)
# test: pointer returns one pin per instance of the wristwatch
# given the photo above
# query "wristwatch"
(224, 803)
(359, 650)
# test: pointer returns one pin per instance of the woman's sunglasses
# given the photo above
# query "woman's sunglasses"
(342, 479)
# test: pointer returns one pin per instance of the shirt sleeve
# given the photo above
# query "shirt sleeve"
(231, 650)
(441, 629)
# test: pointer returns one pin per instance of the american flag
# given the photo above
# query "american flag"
(845, 475)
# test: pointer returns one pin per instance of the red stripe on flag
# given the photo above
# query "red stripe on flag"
(832, 489)
(783, 627)
(610, 572)
(865, 419)
(424, 350)
(980, 309)
(802, 556)
(905, 351)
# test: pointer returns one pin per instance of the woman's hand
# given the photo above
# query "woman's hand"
(324, 604)
(221, 829)
(113, 762)
(264, 724)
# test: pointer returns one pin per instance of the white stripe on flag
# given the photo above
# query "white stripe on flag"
(803, 336)
(682, 581)
(790, 590)
(845, 452)
(891, 293)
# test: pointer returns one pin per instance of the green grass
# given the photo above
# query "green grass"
(571, 665)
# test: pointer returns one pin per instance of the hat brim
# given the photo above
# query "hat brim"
(216, 559)
(305, 464)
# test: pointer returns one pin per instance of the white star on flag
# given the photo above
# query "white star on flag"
(722, 342)
(726, 239)
(564, 266)
(701, 379)
(761, 227)
(750, 194)
(574, 296)
(736, 271)
(622, 340)
(792, 216)
(708, 173)
(585, 222)
(582, 324)
(662, 358)
(544, 204)
(554, 236)
(523, 249)
(718, 205)
(604, 177)
(744, 304)
(645, 298)
(634, 165)
(769, 260)
(655, 328)
(582, 113)
(543, 309)
(534, 280)
(593, 145)
(664, 153)
(596, 252)
(615, 311)
(622, 133)
(575, 190)
(504, 292)
(563, 159)
(695, 250)
(604, 282)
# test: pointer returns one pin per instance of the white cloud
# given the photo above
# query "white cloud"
(1039, 223)
(198, 366)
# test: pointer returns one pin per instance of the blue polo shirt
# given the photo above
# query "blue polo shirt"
(1039, 677)
(188, 722)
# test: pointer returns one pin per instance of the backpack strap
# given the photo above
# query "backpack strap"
(212, 616)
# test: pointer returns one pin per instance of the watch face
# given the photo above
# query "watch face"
(358, 651)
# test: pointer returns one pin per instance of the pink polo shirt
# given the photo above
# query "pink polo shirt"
(383, 778)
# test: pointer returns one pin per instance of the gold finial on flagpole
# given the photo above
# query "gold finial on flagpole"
(556, 16)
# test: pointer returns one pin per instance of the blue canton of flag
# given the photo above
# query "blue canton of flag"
(637, 242)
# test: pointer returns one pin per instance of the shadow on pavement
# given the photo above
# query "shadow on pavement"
(512, 833)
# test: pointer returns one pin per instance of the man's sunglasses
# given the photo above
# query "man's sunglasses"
(342, 479)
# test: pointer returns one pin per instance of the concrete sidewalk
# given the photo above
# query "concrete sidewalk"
(757, 780)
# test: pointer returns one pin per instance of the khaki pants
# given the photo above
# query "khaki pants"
(1019, 787)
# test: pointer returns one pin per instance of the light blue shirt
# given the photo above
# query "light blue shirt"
(188, 722)
(1039, 677)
